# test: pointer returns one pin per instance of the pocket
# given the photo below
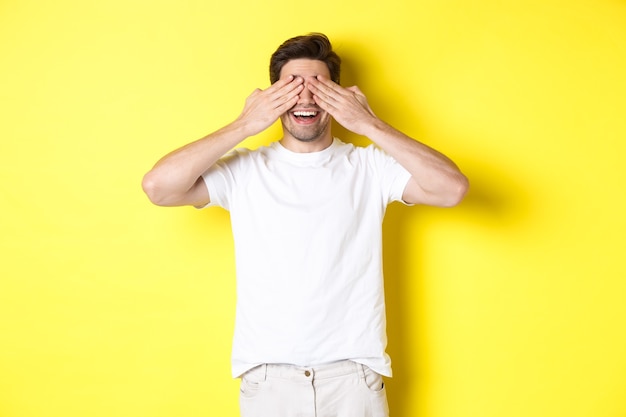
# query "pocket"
(251, 383)
(373, 380)
(374, 386)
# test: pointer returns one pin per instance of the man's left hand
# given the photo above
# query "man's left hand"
(348, 106)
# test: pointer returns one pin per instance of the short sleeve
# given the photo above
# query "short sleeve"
(222, 177)
(393, 177)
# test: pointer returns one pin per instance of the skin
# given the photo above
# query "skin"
(306, 136)
(305, 84)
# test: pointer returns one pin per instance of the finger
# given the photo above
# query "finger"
(324, 93)
(334, 94)
(280, 92)
(325, 105)
(287, 104)
(285, 93)
(326, 81)
(281, 82)
(329, 86)
(282, 103)
(321, 95)
(323, 85)
(285, 85)
(355, 90)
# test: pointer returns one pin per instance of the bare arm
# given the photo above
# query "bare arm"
(176, 179)
(435, 179)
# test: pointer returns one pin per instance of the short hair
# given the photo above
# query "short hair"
(312, 46)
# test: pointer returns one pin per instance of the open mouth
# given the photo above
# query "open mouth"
(305, 116)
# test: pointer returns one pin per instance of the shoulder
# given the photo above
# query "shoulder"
(242, 155)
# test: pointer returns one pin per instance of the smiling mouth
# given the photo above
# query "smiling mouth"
(305, 116)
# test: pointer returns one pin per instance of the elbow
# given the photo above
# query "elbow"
(457, 191)
(447, 193)
(150, 186)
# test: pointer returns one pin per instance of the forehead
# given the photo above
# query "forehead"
(304, 68)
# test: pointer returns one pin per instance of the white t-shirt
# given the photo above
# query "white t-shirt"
(308, 246)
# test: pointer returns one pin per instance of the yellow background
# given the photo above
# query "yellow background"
(511, 305)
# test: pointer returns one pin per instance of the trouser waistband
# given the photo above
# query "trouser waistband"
(330, 370)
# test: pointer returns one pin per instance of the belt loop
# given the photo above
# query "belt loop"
(264, 371)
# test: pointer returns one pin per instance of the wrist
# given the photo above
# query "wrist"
(241, 129)
(375, 128)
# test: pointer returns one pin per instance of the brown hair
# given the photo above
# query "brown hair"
(312, 46)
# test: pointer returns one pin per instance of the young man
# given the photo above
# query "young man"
(307, 215)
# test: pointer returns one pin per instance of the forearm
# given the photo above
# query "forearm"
(175, 179)
(174, 175)
(435, 179)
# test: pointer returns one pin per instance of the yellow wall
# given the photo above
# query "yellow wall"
(512, 304)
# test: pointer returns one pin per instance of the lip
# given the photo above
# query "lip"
(305, 120)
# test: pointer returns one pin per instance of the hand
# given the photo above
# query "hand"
(264, 107)
(348, 106)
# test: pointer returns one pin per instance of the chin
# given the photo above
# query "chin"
(308, 139)
(310, 134)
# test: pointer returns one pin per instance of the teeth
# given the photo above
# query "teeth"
(305, 113)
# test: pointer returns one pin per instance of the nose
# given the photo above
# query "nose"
(306, 96)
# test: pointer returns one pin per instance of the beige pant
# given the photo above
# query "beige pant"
(341, 389)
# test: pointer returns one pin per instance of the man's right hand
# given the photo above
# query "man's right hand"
(175, 180)
(264, 107)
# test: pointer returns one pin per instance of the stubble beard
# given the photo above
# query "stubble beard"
(306, 133)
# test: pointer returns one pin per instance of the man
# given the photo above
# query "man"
(307, 214)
